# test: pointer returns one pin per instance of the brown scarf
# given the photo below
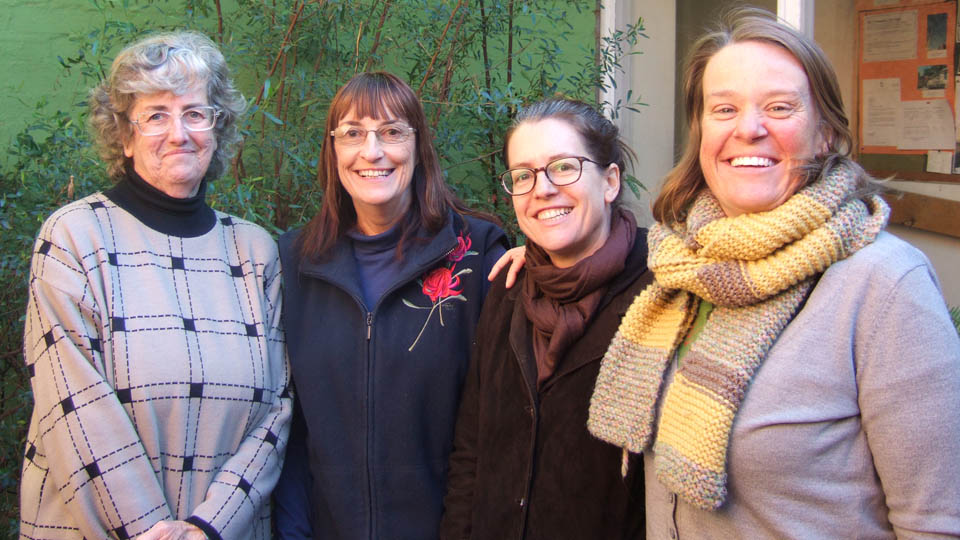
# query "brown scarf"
(560, 301)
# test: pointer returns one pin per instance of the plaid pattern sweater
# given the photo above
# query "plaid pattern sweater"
(159, 375)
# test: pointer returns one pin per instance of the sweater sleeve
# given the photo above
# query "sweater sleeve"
(908, 376)
(82, 448)
(244, 483)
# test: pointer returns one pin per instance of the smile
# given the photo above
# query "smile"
(374, 173)
(551, 213)
(752, 161)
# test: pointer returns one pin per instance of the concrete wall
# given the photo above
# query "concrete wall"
(650, 75)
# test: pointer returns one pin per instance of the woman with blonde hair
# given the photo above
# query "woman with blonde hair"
(792, 372)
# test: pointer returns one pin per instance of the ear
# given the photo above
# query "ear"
(611, 183)
(128, 145)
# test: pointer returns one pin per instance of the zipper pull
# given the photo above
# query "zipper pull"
(369, 324)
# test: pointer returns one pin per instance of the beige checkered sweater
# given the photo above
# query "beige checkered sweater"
(159, 377)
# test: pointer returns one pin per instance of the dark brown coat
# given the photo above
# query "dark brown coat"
(523, 464)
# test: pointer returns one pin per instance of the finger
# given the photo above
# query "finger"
(497, 266)
(515, 265)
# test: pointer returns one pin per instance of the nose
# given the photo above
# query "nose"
(543, 187)
(371, 149)
(750, 125)
(177, 133)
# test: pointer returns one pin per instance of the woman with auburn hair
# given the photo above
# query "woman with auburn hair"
(792, 372)
(385, 287)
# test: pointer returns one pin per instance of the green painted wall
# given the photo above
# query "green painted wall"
(32, 34)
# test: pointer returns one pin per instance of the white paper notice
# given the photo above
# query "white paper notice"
(940, 161)
(927, 125)
(890, 36)
(881, 112)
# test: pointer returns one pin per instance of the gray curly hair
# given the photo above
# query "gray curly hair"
(171, 62)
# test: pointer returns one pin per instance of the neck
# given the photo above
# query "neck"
(377, 219)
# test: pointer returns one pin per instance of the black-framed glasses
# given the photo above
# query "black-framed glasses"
(150, 123)
(560, 172)
(356, 135)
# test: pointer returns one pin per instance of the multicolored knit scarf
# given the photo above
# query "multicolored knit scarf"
(757, 269)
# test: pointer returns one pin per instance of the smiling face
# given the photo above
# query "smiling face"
(376, 175)
(173, 162)
(759, 123)
(569, 222)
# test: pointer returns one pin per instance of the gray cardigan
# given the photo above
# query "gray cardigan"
(851, 426)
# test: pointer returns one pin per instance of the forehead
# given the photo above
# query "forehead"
(754, 66)
(537, 141)
(170, 100)
(378, 115)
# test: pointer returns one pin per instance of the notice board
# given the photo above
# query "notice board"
(907, 75)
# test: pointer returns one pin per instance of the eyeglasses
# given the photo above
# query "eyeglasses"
(150, 123)
(355, 135)
(560, 172)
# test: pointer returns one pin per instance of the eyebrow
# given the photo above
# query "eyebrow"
(772, 93)
(357, 122)
(162, 107)
(554, 157)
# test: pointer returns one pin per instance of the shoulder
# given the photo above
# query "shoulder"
(482, 232)
(249, 237)
(879, 265)
(79, 213)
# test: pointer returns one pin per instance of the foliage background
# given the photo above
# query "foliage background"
(471, 62)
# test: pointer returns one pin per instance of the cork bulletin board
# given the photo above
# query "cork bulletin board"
(908, 77)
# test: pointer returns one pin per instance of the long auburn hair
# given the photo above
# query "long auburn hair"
(685, 181)
(375, 95)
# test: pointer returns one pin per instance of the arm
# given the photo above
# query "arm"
(83, 452)
(291, 498)
(461, 478)
(908, 375)
(243, 485)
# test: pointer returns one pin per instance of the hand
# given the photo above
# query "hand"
(173, 530)
(515, 257)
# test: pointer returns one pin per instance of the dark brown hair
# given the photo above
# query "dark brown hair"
(373, 95)
(600, 136)
(686, 180)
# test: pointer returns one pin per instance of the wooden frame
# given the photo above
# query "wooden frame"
(924, 212)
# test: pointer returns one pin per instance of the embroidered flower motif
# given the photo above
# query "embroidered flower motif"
(440, 284)
(462, 249)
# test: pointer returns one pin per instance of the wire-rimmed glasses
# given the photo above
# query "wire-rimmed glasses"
(356, 135)
(150, 123)
(559, 172)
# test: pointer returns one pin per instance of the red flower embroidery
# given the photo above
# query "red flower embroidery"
(441, 283)
(463, 246)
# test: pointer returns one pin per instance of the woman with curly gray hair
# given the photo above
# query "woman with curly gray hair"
(153, 336)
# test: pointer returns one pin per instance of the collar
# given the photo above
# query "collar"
(186, 218)
(421, 253)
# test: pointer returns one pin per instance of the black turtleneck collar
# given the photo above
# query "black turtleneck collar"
(186, 218)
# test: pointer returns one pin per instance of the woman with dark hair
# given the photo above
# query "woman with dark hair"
(153, 336)
(523, 463)
(384, 291)
(792, 372)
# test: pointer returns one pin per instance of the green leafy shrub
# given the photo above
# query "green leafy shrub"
(472, 63)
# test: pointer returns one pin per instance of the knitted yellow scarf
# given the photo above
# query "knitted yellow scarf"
(757, 269)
